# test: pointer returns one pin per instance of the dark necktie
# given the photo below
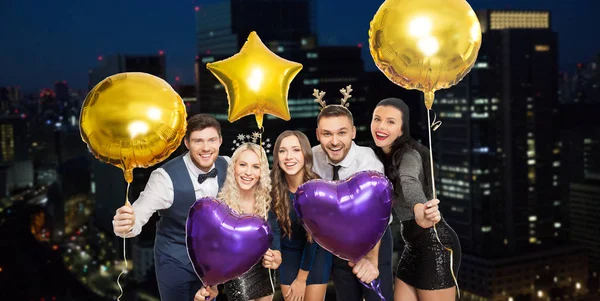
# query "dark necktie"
(336, 168)
(203, 176)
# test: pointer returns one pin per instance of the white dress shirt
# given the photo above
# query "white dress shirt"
(359, 158)
(158, 193)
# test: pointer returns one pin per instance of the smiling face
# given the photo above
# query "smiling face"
(335, 135)
(247, 170)
(386, 126)
(290, 155)
(204, 147)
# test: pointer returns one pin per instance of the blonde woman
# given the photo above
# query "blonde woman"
(247, 191)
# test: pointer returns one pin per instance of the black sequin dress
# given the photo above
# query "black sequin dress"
(425, 264)
(255, 283)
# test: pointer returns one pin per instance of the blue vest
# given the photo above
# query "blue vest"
(170, 229)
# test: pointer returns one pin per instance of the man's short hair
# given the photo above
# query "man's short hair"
(199, 122)
(335, 111)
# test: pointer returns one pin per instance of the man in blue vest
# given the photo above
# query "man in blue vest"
(172, 190)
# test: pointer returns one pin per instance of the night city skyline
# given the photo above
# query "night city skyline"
(516, 161)
(43, 42)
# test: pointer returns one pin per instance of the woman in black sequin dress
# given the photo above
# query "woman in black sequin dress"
(247, 190)
(426, 269)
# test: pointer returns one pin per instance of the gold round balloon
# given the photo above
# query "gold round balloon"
(425, 45)
(132, 120)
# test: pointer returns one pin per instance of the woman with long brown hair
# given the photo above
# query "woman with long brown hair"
(306, 267)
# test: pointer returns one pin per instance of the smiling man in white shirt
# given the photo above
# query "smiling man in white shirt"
(336, 158)
(171, 190)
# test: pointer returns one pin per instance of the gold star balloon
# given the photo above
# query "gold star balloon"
(256, 80)
(425, 45)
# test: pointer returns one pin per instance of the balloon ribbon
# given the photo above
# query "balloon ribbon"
(434, 126)
(124, 271)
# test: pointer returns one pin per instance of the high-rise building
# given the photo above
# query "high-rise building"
(188, 95)
(223, 26)
(69, 196)
(580, 142)
(584, 203)
(13, 139)
(9, 98)
(580, 163)
(151, 64)
(551, 274)
(61, 88)
(586, 82)
(15, 167)
(497, 157)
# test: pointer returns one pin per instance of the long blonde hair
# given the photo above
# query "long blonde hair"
(230, 193)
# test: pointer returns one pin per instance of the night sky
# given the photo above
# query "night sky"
(45, 41)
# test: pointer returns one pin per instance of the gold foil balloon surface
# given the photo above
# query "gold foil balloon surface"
(132, 120)
(425, 45)
(256, 80)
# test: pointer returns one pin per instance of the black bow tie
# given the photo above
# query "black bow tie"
(211, 174)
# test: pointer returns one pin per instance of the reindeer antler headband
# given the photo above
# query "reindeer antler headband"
(320, 94)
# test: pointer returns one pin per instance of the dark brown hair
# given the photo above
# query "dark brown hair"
(199, 122)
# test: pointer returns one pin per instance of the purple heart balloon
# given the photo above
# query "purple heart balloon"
(347, 217)
(222, 244)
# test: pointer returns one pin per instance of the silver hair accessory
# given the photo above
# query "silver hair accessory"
(253, 138)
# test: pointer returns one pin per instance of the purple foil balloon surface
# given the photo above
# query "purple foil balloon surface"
(222, 244)
(346, 217)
